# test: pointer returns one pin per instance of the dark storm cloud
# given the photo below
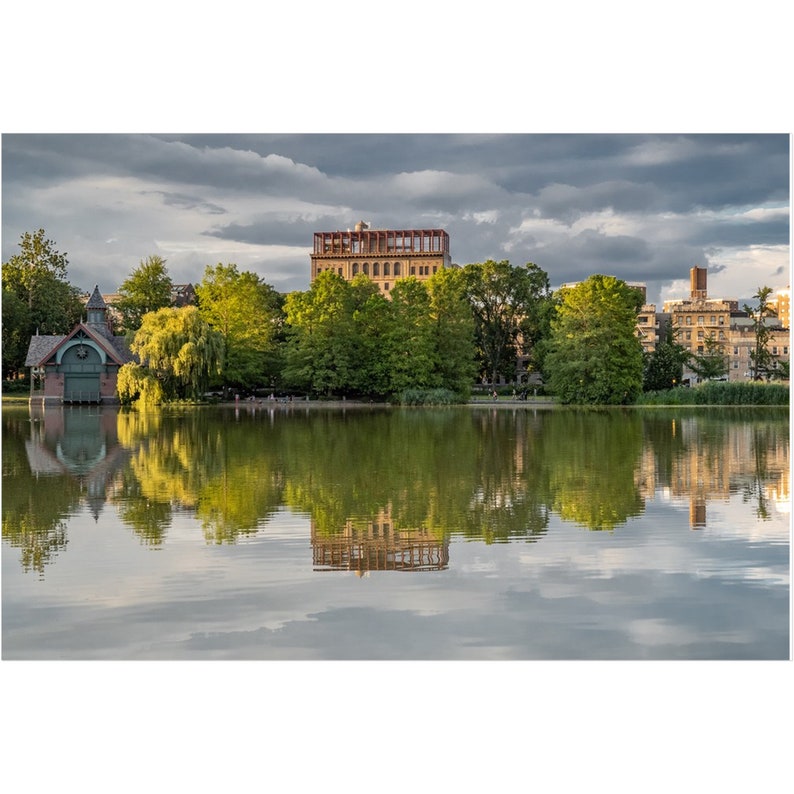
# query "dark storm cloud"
(773, 232)
(186, 202)
(277, 230)
(647, 207)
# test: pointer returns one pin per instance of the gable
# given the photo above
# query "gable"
(50, 349)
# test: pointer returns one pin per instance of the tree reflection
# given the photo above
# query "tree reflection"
(592, 459)
(35, 506)
(444, 472)
(769, 452)
(222, 472)
(378, 484)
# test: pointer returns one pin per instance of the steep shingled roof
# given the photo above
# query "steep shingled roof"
(40, 347)
(96, 301)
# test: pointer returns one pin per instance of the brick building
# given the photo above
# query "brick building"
(384, 255)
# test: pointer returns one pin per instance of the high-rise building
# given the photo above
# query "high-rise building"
(384, 255)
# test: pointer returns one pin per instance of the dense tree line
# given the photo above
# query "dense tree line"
(339, 338)
(478, 323)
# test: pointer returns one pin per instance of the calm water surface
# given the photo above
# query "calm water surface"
(478, 533)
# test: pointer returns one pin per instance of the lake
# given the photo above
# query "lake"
(292, 531)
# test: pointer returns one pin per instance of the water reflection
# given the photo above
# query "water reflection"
(385, 489)
(71, 458)
(379, 546)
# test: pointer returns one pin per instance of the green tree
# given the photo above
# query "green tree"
(37, 298)
(664, 367)
(411, 344)
(762, 362)
(593, 355)
(16, 332)
(247, 313)
(320, 349)
(511, 307)
(146, 289)
(179, 349)
(454, 331)
(712, 363)
(371, 323)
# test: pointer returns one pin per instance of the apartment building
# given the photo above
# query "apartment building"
(384, 255)
(698, 319)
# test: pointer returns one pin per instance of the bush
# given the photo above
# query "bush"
(720, 393)
(429, 397)
(16, 386)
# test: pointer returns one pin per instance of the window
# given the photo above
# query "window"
(785, 351)
(413, 270)
(722, 320)
(375, 269)
(700, 334)
(355, 268)
(386, 285)
(365, 268)
(700, 319)
(385, 268)
(713, 319)
(688, 320)
(735, 351)
(396, 268)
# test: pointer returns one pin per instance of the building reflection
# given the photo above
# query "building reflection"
(81, 443)
(378, 546)
(744, 459)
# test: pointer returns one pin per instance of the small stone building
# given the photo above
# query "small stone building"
(81, 366)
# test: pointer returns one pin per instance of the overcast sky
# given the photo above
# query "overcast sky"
(641, 207)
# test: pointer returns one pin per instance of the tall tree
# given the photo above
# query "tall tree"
(371, 321)
(594, 356)
(320, 351)
(762, 362)
(664, 367)
(712, 363)
(511, 307)
(146, 289)
(16, 332)
(412, 342)
(179, 349)
(247, 313)
(43, 300)
(454, 331)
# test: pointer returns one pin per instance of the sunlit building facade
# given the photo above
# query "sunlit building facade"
(383, 255)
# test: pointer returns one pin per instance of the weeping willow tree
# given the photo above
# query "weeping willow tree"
(178, 352)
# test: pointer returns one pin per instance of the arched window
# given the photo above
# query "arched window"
(365, 268)
(375, 269)
(355, 268)
(396, 268)
(385, 268)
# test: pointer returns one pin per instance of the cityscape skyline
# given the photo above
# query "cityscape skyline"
(641, 207)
